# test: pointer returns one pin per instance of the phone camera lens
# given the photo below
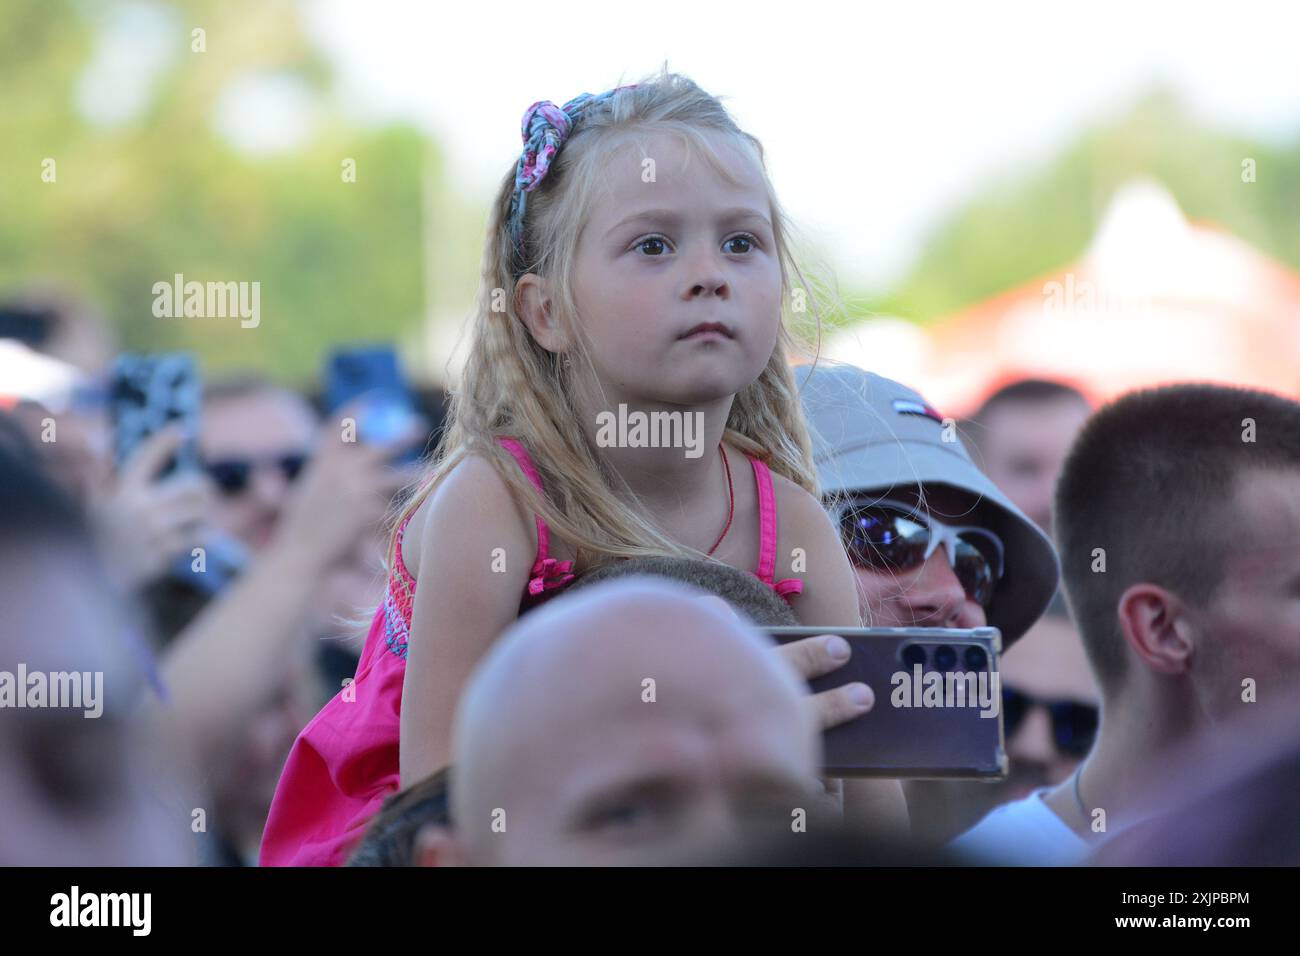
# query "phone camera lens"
(976, 659)
(914, 654)
(944, 657)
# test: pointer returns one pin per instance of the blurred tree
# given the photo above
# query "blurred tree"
(225, 163)
(1038, 220)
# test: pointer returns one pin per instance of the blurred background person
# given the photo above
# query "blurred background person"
(255, 438)
(249, 663)
(254, 664)
(1022, 433)
(52, 320)
(76, 790)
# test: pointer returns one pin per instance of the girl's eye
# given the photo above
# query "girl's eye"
(746, 241)
(653, 246)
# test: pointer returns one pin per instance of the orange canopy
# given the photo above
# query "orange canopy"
(1154, 299)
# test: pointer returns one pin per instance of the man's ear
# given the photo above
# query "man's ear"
(436, 845)
(533, 305)
(1154, 623)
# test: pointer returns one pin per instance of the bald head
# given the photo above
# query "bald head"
(633, 722)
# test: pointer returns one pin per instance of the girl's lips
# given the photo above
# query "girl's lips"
(704, 334)
(706, 329)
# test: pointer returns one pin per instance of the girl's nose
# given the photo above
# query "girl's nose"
(711, 286)
(708, 278)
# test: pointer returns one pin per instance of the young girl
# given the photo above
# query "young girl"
(636, 263)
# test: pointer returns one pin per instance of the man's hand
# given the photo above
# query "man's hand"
(816, 656)
(343, 494)
(145, 522)
(874, 805)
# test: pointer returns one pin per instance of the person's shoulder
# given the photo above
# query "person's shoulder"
(802, 520)
(795, 505)
(473, 494)
(808, 548)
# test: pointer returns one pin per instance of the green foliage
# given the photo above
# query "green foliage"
(164, 193)
(1036, 221)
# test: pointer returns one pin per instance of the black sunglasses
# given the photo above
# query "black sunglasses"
(885, 535)
(233, 475)
(1074, 725)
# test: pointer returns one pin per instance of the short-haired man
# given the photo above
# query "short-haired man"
(1178, 520)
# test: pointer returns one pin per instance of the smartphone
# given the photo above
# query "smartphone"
(147, 392)
(938, 710)
(388, 408)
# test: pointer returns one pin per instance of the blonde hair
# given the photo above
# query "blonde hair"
(513, 387)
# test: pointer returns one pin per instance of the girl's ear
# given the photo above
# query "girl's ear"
(533, 305)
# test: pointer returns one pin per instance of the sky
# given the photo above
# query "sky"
(877, 118)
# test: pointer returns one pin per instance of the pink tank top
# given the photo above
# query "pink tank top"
(344, 763)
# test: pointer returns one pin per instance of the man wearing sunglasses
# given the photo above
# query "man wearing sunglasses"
(245, 667)
(1178, 516)
(255, 439)
(934, 543)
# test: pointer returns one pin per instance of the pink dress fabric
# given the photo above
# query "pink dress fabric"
(344, 763)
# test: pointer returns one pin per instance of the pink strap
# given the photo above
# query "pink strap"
(543, 535)
(767, 524)
(788, 588)
(544, 567)
(547, 572)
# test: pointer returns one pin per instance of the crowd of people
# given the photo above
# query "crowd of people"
(531, 647)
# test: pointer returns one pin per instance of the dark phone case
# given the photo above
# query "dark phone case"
(915, 742)
(147, 392)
